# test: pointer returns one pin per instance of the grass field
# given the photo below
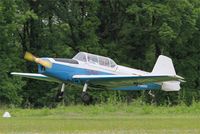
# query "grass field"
(103, 119)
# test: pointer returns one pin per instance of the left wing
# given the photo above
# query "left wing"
(125, 80)
(36, 76)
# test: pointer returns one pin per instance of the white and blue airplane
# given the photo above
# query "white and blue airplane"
(102, 72)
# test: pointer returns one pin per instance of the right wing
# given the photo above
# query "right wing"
(125, 80)
(36, 76)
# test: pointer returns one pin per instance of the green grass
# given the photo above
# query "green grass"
(105, 118)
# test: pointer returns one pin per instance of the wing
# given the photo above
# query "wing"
(124, 80)
(36, 76)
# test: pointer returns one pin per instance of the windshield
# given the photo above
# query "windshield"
(81, 57)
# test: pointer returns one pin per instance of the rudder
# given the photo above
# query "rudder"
(164, 66)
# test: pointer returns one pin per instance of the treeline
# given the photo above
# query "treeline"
(132, 32)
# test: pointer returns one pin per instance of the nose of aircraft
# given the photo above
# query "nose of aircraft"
(30, 57)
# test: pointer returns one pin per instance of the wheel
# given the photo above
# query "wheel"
(59, 96)
(86, 98)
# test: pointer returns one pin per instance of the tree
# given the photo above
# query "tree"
(10, 54)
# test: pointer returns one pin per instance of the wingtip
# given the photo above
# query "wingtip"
(12, 73)
(182, 80)
(179, 77)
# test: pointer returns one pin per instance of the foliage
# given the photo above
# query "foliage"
(137, 108)
(9, 57)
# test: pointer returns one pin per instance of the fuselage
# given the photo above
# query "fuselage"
(64, 69)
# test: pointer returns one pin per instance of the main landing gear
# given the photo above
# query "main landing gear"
(60, 94)
(85, 97)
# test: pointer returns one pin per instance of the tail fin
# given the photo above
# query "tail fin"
(164, 66)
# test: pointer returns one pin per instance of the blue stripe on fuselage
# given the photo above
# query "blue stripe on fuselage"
(65, 73)
(149, 86)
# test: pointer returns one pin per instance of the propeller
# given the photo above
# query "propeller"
(30, 57)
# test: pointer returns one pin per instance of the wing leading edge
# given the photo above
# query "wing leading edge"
(36, 76)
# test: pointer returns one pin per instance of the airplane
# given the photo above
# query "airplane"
(86, 69)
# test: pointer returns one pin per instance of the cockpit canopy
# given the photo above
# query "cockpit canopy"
(95, 59)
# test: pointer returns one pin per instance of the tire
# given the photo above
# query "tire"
(59, 96)
(86, 98)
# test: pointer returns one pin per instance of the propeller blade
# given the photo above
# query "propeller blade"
(30, 57)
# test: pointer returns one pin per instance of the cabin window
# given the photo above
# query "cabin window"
(104, 61)
(95, 59)
(112, 63)
(92, 59)
(81, 57)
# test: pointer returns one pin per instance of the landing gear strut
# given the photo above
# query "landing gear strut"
(60, 94)
(85, 97)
